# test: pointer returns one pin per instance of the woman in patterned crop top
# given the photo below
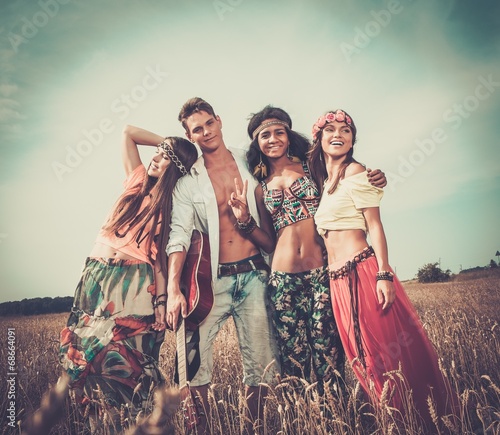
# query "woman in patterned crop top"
(379, 327)
(298, 285)
(116, 327)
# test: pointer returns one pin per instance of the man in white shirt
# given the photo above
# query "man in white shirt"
(205, 199)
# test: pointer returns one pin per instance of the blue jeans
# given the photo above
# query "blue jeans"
(244, 297)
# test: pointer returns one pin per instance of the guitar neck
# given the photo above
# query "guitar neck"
(180, 337)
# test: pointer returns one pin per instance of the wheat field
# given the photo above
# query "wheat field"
(461, 318)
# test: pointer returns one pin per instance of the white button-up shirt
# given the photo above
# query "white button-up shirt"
(194, 205)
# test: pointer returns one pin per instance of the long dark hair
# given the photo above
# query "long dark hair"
(317, 163)
(125, 214)
(299, 144)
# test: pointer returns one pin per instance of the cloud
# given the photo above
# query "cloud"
(10, 116)
(7, 89)
(7, 66)
(8, 111)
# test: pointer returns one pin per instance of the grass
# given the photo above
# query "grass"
(460, 316)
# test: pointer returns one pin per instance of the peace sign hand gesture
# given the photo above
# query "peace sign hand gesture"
(238, 201)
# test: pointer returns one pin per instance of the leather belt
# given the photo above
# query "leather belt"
(351, 265)
(256, 262)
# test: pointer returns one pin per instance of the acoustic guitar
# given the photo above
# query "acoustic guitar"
(196, 285)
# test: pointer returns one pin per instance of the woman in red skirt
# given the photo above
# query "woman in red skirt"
(378, 325)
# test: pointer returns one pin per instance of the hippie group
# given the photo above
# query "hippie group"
(287, 223)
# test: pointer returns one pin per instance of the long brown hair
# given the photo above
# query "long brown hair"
(317, 163)
(194, 105)
(125, 214)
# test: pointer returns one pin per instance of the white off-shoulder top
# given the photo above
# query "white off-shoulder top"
(342, 210)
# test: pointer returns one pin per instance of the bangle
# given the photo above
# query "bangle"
(156, 303)
(248, 226)
(249, 218)
(385, 275)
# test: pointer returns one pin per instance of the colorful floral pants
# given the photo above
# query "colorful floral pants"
(303, 318)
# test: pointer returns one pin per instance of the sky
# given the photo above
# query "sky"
(420, 78)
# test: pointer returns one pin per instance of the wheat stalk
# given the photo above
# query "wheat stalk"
(50, 408)
(159, 422)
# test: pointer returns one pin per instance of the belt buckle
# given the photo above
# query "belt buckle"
(233, 269)
(227, 269)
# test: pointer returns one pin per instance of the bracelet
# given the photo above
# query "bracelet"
(248, 226)
(385, 275)
(156, 303)
(249, 218)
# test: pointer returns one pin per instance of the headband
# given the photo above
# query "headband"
(339, 115)
(267, 124)
(169, 151)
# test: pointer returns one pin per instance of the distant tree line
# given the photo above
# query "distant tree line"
(431, 272)
(28, 307)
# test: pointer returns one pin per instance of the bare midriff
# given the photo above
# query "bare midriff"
(298, 248)
(232, 245)
(100, 250)
(343, 245)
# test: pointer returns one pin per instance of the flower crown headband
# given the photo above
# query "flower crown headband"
(169, 151)
(339, 115)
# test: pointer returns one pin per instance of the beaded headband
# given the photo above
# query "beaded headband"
(339, 115)
(267, 124)
(169, 151)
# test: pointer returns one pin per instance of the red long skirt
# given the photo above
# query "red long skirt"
(390, 339)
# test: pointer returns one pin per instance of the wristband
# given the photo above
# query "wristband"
(156, 303)
(385, 275)
(248, 226)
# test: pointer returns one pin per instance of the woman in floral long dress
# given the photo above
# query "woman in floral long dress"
(110, 345)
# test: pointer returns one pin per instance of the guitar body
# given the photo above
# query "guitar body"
(196, 280)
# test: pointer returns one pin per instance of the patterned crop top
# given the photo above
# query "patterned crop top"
(292, 204)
